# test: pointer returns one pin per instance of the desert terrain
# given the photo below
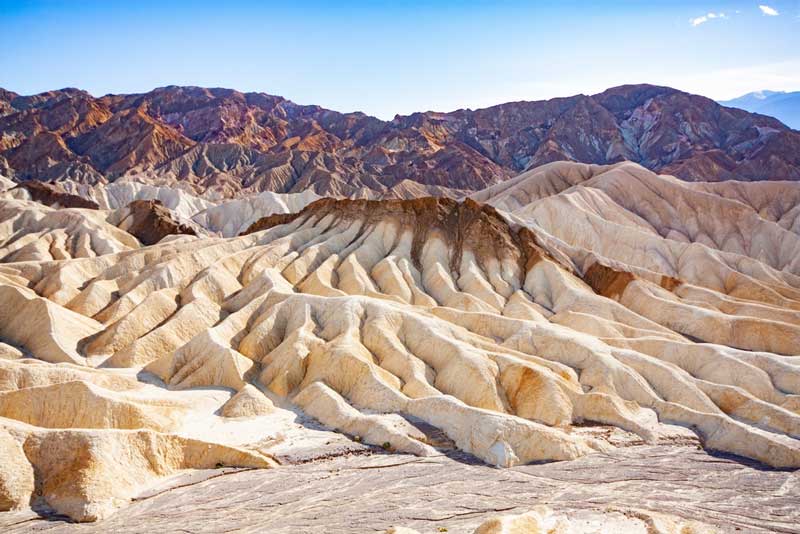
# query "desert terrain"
(578, 348)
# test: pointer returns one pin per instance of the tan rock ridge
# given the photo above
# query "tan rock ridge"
(79, 472)
(466, 224)
(31, 231)
(109, 437)
(34, 231)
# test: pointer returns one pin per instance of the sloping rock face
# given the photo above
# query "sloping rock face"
(149, 221)
(31, 231)
(554, 317)
(121, 193)
(51, 194)
(230, 218)
(6, 184)
(224, 217)
(235, 144)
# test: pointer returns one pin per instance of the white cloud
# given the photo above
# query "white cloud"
(767, 10)
(697, 21)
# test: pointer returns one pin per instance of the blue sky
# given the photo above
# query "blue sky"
(385, 58)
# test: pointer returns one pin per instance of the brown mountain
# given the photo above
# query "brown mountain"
(233, 143)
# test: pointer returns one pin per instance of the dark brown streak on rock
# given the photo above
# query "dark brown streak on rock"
(152, 221)
(52, 194)
(607, 281)
(462, 225)
(611, 283)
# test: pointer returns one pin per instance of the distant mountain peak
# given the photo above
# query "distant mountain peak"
(763, 94)
(783, 105)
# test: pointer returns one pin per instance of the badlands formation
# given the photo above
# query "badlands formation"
(576, 321)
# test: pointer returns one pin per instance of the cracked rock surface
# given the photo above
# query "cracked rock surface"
(372, 493)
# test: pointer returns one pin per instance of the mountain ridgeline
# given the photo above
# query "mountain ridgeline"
(226, 143)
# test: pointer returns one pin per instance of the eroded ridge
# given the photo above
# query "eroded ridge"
(375, 317)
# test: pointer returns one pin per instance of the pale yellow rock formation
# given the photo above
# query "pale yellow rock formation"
(30, 373)
(528, 523)
(248, 402)
(7, 352)
(591, 295)
(16, 474)
(30, 231)
(80, 404)
(87, 474)
(106, 443)
(46, 330)
(390, 431)
(232, 217)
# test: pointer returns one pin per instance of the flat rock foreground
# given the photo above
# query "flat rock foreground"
(615, 493)
(579, 349)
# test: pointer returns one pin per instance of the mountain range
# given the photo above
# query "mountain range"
(785, 106)
(224, 143)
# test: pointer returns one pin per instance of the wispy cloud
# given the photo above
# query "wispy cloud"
(697, 21)
(769, 11)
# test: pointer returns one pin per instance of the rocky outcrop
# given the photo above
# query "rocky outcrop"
(611, 283)
(119, 194)
(79, 473)
(51, 194)
(65, 429)
(248, 402)
(230, 218)
(31, 231)
(265, 223)
(16, 474)
(150, 222)
(222, 217)
(233, 144)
